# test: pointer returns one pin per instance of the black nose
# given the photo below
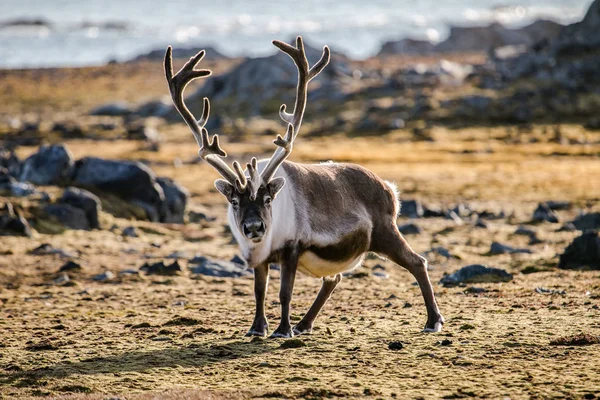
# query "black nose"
(253, 229)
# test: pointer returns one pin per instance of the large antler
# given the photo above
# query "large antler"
(209, 150)
(294, 120)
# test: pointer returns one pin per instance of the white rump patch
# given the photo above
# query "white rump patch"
(394, 188)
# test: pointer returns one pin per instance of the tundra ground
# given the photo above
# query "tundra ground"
(146, 336)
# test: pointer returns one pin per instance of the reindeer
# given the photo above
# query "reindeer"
(320, 219)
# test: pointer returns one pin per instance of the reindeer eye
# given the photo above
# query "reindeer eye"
(234, 203)
(267, 201)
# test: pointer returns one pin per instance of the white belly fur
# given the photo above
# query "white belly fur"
(311, 264)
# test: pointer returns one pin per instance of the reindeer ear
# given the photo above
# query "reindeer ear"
(225, 188)
(275, 185)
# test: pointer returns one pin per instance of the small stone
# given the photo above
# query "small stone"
(524, 231)
(381, 274)
(130, 231)
(409, 229)
(160, 268)
(395, 346)
(411, 209)
(103, 277)
(499, 248)
(61, 279)
(475, 290)
(544, 213)
(446, 342)
(292, 344)
(70, 266)
(480, 224)
(237, 260)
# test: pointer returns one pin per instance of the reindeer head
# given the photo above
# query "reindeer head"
(250, 193)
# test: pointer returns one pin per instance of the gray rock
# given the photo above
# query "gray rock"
(86, 201)
(103, 277)
(176, 197)
(130, 231)
(238, 260)
(483, 38)
(128, 180)
(558, 205)
(480, 224)
(442, 252)
(61, 279)
(181, 52)
(51, 165)
(476, 273)
(69, 216)
(524, 231)
(409, 229)
(12, 222)
(583, 252)
(544, 213)
(70, 266)
(406, 46)
(155, 108)
(211, 267)
(590, 221)
(10, 161)
(499, 248)
(141, 131)
(116, 109)
(160, 268)
(47, 249)
(411, 209)
(257, 80)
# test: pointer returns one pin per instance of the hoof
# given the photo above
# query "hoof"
(301, 330)
(256, 332)
(260, 328)
(284, 333)
(436, 326)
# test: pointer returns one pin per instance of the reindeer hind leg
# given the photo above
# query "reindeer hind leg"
(392, 244)
(328, 286)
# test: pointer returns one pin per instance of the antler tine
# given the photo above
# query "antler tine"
(210, 151)
(294, 121)
(255, 178)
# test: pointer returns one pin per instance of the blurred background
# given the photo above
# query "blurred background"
(67, 33)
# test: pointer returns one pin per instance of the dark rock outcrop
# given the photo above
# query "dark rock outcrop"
(483, 38)
(406, 46)
(69, 216)
(257, 80)
(586, 222)
(176, 197)
(583, 252)
(51, 165)
(86, 201)
(181, 52)
(129, 180)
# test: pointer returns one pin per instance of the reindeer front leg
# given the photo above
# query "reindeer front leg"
(260, 326)
(289, 265)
